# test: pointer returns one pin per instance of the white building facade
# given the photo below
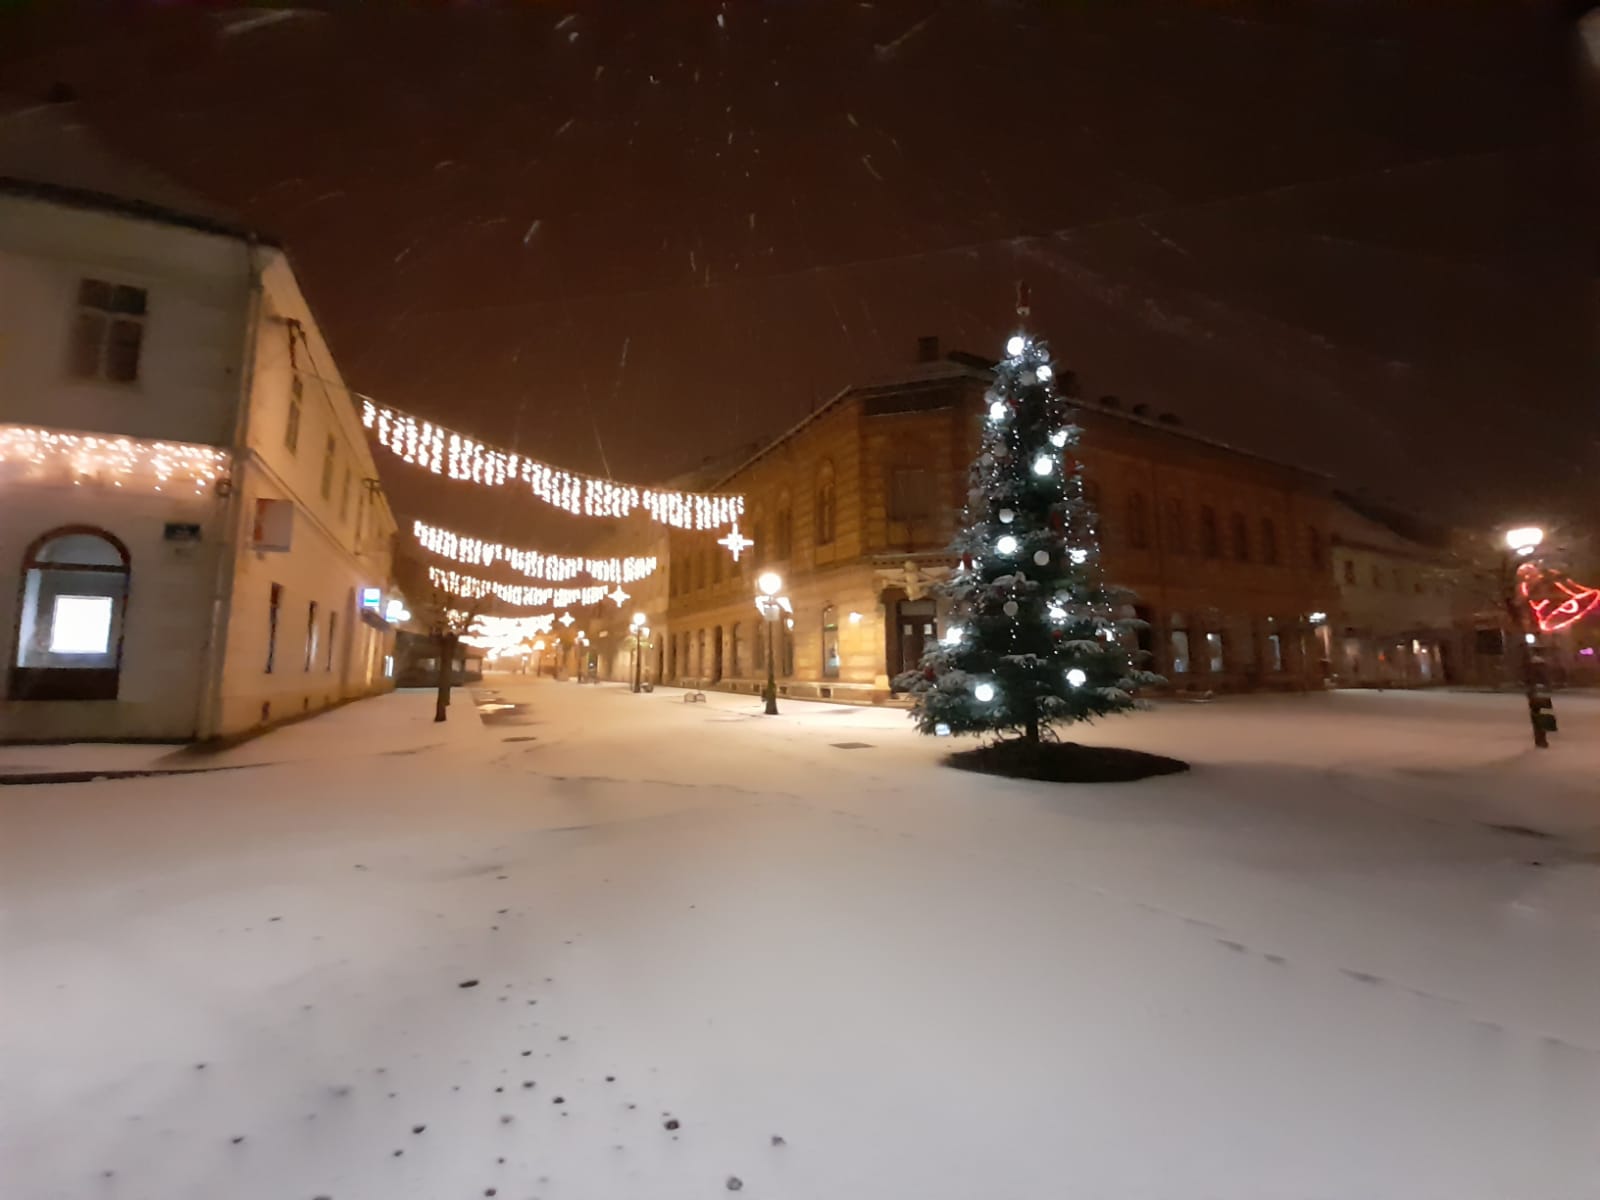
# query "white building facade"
(193, 542)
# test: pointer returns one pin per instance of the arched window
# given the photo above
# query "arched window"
(783, 531)
(825, 504)
(830, 643)
(69, 627)
(735, 650)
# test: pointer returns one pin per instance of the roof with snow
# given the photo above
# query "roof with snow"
(47, 154)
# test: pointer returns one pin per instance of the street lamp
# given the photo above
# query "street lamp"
(640, 631)
(771, 606)
(1524, 540)
(1521, 543)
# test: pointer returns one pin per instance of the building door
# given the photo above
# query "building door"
(916, 627)
(716, 654)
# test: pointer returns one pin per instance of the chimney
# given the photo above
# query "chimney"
(928, 348)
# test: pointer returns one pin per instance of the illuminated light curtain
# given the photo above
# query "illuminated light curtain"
(47, 456)
(553, 568)
(443, 451)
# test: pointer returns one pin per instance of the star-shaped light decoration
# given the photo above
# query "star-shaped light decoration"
(566, 619)
(618, 597)
(736, 542)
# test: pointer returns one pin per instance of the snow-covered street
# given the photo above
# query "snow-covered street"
(606, 945)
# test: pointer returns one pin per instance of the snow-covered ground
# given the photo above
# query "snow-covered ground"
(1307, 968)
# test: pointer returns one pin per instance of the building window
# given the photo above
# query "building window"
(108, 331)
(274, 604)
(759, 648)
(1179, 642)
(333, 629)
(1314, 544)
(1350, 571)
(830, 643)
(311, 634)
(1172, 519)
(760, 552)
(783, 531)
(911, 493)
(700, 655)
(1138, 521)
(1269, 541)
(291, 428)
(1274, 653)
(344, 496)
(1214, 652)
(330, 453)
(70, 622)
(825, 504)
(786, 633)
(735, 649)
(1241, 538)
(1210, 536)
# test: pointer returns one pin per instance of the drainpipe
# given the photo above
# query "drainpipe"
(209, 718)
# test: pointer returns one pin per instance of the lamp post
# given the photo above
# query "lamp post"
(640, 631)
(771, 606)
(1521, 545)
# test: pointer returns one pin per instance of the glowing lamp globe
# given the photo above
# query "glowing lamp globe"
(1006, 545)
(1058, 439)
(770, 583)
(1016, 345)
(1524, 540)
(1045, 373)
(984, 692)
(1043, 465)
(1076, 677)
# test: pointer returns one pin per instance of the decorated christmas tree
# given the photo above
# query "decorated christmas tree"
(1035, 638)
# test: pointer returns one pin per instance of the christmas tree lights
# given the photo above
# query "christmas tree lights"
(446, 452)
(35, 455)
(1025, 648)
(552, 568)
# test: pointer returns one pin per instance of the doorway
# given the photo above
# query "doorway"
(916, 626)
(716, 654)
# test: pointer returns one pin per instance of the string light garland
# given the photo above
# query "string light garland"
(47, 456)
(517, 595)
(443, 451)
(552, 568)
(502, 634)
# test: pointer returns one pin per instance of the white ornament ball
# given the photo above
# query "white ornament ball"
(1058, 438)
(984, 692)
(997, 411)
(1009, 608)
(1045, 373)
(1043, 465)
(1007, 516)
(1016, 345)
(1041, 557)
(1076, 677)
(1006, 545)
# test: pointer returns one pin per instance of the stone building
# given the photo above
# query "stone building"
(854, 507)
(194, 541)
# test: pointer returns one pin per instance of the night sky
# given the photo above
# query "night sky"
(1341, 234)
